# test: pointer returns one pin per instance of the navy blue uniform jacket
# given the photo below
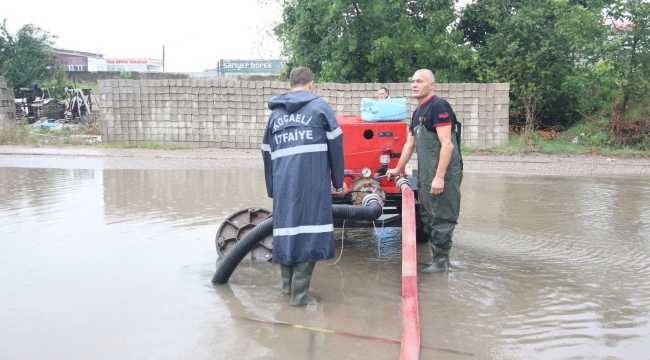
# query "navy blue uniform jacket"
(303, 152)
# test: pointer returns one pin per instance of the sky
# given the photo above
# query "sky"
(196, 34)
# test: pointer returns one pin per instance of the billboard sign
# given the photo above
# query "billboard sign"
(134, 62)
(95, 64)
(250, 67)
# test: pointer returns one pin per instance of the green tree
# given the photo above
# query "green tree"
(626, 52)
(57, 83)
(126, 75)
(25, 57)
(483, 17)
(536, 48)
(374, 40)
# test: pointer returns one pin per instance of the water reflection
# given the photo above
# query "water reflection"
(543, 267)
(565, 265)
(181, 197)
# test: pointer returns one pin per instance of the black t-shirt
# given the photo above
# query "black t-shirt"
(438, 114)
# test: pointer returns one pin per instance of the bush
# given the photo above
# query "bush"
(632, 133)
(13, 134)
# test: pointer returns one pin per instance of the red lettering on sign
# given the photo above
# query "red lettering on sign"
(133, 62)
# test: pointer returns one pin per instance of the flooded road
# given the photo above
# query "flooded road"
(112, 259)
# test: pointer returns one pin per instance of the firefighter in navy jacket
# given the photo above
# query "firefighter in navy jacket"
(302, 151)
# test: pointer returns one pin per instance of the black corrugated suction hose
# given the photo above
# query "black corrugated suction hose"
(239, 251)
(349, 212)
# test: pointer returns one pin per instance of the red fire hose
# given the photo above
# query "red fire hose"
(410, 316)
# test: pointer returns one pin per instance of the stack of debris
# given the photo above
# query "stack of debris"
(53, 109)
(29, 102)
(34, 104)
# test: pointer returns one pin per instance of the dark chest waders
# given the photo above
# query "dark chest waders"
(439, 213)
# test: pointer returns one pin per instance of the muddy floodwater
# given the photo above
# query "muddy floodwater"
(112, 259)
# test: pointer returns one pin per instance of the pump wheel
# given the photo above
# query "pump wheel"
(239, 224)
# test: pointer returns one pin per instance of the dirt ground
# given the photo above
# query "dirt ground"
(533, 163)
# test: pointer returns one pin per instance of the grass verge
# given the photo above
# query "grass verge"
(25, 135)
(587, 137)
(11, 134)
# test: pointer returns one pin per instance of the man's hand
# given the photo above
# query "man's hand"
(437, 186)
(392, 174)
(344, 189)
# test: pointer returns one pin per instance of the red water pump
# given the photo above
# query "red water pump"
(369, 150)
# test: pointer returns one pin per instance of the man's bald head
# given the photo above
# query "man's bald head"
(428, 73)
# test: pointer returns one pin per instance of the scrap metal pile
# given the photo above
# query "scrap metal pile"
(35, 104)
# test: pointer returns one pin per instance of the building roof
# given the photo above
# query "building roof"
(78, 53)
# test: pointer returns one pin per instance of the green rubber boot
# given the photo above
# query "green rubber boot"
(440, 260)
(430, 261)
(287, 275)
(300, 283)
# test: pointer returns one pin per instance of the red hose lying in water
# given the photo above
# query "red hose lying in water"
(410, 315)
(345, 333)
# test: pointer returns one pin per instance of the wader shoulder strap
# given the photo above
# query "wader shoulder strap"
(455, 127)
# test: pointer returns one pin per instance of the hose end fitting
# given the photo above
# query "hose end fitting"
(370, 198)
(401, 181)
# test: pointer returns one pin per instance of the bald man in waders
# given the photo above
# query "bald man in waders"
(435, 133)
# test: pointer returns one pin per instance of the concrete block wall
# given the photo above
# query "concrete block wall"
(482, 109)
(200, 113)
(229, 113)
(7, 107)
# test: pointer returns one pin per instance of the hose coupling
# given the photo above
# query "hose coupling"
(370, 198)
(401, 181)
